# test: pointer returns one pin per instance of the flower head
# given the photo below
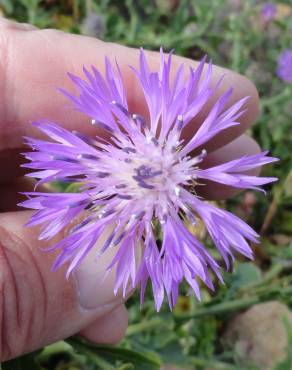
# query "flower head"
(142, 176)
(284, 69)
(269, 11)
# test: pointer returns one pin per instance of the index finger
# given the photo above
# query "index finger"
(35, 62)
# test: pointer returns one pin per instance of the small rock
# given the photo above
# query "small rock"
(259, 336)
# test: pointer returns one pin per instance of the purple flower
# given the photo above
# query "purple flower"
(284, 69)
(269, 11)
(141, 179)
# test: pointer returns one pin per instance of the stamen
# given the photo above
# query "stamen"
(163, 219)
(138, 119)
(128, 149)
(144, 172)
(191, 217)
(121, 108)
(79, 226)
(86, 139)
(177, 191)
(119, 238)
(102, 174)
(156, 173)
(65, 159)
(180, 120)
(102, 125)
(143, 184)
(124, 196)
(88, 156)
(121, 186)
(78, 204)
(139, 215)
(155, 141)
(107, 242)
(89, 206)
(202, 155)
(104, 214)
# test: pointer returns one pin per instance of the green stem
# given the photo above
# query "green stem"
(220, 308)
(92, 355)
(218, 365)
(146, 325)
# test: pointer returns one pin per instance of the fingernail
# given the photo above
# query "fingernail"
(94, 283)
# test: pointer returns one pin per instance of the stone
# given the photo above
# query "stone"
(258, 336)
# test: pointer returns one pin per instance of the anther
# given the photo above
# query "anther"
(143, 184)
(119, 238)
(139, 119)
(121, 108)
(121, 186)
(65, 159)
(154, 141)
(139, 215)
(85, 138)
(79, 203)
(102, 174)
(180, 121)
(102, 125)
(87, 156)
(124, 196)
(177, 191)
(129, 150)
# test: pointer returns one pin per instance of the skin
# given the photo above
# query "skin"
(37, 306)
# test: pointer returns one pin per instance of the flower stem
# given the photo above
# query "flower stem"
(220, 308)
(237, 304)
(146, 325)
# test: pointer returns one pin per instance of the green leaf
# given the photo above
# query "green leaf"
(244, 275)
(26, 362)
(115, 356)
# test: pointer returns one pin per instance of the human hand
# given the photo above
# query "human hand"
(37, 306)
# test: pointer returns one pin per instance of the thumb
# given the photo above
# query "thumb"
(38, 306)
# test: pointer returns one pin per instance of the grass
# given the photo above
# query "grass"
(237, 39)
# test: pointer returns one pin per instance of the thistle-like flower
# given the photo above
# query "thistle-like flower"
(284, 65)
(268, 12)
(141, 176)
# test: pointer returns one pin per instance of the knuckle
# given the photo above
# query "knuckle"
(19, 311)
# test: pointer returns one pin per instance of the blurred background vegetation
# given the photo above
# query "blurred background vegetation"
(247, 323)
